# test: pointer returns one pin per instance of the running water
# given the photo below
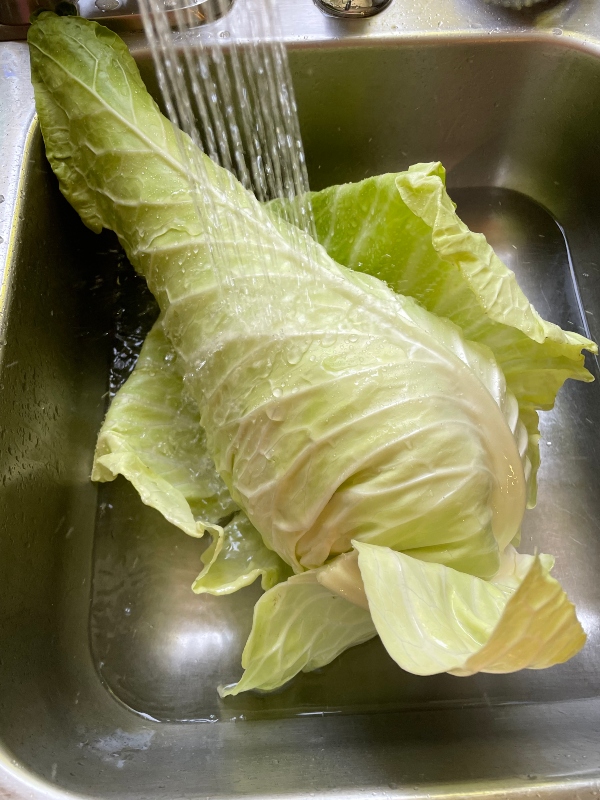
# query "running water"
(228, 86)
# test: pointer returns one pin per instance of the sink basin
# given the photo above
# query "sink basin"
(108, 662)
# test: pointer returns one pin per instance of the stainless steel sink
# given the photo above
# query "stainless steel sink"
(108, 662)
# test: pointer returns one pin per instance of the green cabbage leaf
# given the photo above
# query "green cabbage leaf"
(298, 626)
(434, 619)
(152, 436)
(237, 558)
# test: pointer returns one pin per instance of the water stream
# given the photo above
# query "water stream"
(228, 87)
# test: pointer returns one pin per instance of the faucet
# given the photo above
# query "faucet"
(352, 8)
(119, 15)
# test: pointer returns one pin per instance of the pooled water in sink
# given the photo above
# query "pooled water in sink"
(162, 650)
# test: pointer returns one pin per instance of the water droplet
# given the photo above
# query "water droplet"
(277, 392)
(107, 5)
(557, 31)
(1, 239)
(224, 34)
(294, 357)
(1, 198)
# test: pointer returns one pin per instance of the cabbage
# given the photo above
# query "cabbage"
(349, 412)
(337, 412)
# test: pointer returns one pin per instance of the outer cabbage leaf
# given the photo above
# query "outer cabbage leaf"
(152, 435)
(408, 234)
(434, 619)
(332, 411)
(236, 559)
(403, 228)
(298, 626)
